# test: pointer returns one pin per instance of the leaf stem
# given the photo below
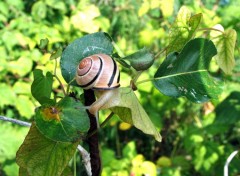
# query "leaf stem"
(64, 92)
(69, 84)
(160, 52)
(121, 54)
(102, 124)
(209, 29)
(169, 76)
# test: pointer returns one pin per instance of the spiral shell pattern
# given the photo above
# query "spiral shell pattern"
(98, 71)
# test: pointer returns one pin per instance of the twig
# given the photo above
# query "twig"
(19, 122)
(229, 159)
(86, 159)
(93, 140)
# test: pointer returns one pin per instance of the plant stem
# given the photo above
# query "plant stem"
(93, 139)
(229, 159)
(209, 29)
(145, 80)
(18, 122)
(64, 92)
(86, 159)
(102, 124)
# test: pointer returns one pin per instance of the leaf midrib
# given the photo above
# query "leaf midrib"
(180, 74)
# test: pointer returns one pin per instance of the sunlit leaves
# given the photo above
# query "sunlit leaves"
(66, 121)
(42, 86)
(183, 29)
(39, 10)
(225, 42)
(140, 60)
(22, 66)
(41, 156)
(80, 48)
(131, 111)
(185, 74)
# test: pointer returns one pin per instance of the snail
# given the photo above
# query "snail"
(100, 73)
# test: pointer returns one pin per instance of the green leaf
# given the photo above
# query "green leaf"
(21, 67)
(183, 29)
(23, 172)
(95, 43)
(39, 10)
(43, 43)
(225, 42)
(56, 54)
(41, 87)
(140, 60)
(131, 111)
(7, 95)
(41, 156)
(227, 113)
(25, 106)
(63, 122)
(186, 74)
(10, 140)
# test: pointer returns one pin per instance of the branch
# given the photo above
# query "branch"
(18, 122)
(86, 159)
(229, 159)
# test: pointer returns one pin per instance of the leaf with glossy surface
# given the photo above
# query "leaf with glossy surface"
(41, 156)
(183, 29)
(131, 111)
(225, 42)
(41, 87)
(186, 74)
(95, 43)
(63, 121)
(140, 60)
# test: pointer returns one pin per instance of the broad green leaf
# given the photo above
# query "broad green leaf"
(56, 54)
(21, 87)
(63, 122)
(25, 106)
(140, 60)
(10, 140)
(42, 86)
(225, 42)
(67, 172)
(41, 156)
(95, 43)
(21, 67)
(186, 74)
(23, 172)
(39, 10)
(183, 29)
(131, 111)
(43, 43)
(7, 95)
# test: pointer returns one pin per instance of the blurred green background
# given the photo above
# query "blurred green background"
(197, 138)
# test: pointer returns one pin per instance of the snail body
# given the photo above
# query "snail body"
(100, 73)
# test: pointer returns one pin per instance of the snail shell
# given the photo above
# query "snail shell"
(98, 71)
